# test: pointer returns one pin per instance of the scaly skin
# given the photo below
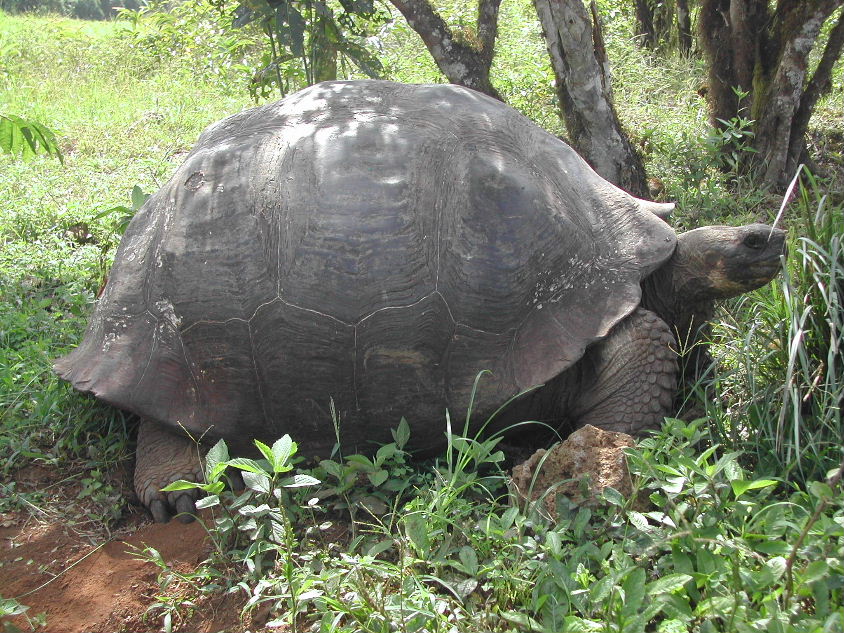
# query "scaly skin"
(163, 457)
(631, 377)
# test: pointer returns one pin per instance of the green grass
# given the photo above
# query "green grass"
(122, 119)
(441, 546)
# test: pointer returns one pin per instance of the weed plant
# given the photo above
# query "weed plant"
(781, 370)
(702, 545)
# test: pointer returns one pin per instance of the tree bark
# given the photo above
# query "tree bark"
(463, 63)
(645, 33)
(324, 53)
(818, 85)
(592, 123)
(684, 27)
(778, 108)
(762, 52)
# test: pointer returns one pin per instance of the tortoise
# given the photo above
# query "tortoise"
(366, 248)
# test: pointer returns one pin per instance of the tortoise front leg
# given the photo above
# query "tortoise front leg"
(161, 458)
(629, 379)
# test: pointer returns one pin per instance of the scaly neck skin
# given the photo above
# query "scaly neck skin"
(679, 300)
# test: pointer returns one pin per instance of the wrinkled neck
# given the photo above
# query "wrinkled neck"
(677, 304)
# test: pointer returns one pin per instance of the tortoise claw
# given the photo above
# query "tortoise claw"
(163, 457)
(185, 509)
(160, 512)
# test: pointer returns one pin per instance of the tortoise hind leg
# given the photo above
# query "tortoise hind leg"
(161, 458)
(630, 377)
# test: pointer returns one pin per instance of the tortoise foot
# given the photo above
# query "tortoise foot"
(162, 458)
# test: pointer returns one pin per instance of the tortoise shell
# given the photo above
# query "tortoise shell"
(368, 244)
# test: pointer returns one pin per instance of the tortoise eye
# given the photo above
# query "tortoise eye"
(754, 241)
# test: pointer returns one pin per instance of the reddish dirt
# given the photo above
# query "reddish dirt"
(86, 583)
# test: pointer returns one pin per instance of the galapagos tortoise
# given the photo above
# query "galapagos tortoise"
(377, 245)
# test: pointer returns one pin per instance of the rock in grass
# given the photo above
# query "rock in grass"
(588, 461)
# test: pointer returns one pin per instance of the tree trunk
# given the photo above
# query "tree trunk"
(684, 27)
(778, 107)
(645, 33)
(323, 53)
(592, 123)
(461, 61)
(818, 86)
(762, 53)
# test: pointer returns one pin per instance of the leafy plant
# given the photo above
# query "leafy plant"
(9, 608)
(22, 137)
(373, 484)
(316, 35)
(784, 376)
(121, 214)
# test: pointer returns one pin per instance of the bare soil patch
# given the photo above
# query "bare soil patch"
(85, 582)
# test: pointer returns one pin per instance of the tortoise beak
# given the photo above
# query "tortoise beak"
(759, 249)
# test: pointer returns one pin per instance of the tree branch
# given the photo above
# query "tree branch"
(818, 85)
(460, 62)
(593, 126)
(488, 25)
(775, 133)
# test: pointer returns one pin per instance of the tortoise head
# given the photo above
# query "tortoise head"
(718, 262)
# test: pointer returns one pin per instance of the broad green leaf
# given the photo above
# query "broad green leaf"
(416, 529)
(385, 452)
(378, 477)
(613, 496)
(673, 626)
(509, 516)
(776, 566)
(821, 490)
(299, 481)
(465, 587)
(523, 621)
(181, 484)
(214, 487)
(249, 465)
(575, 624)
(552, 538)
(716, 605)
(401, 434)
(208, 502)
(816, 570)
(258, 482)
(775, 548)
(820, 594)
(667, 584)
(380, 547)
(215, 460)
(360, 461)
(600, 589)
(580, 522)
(255, 511)
(266, 451)
(283, 449)
(469, 559)
(10, 606)
(706, 562)
(331, 467)
(634, 592)
(676, 605)
(138, 198)
(639, 521)
(740, 486)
